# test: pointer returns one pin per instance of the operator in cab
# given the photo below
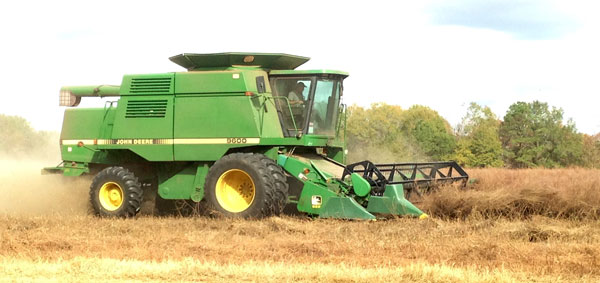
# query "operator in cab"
(295, 96)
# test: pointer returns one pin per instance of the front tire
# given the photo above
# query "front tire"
(246, 185)
(116, 192)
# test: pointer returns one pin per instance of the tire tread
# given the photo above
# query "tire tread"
(132, 190)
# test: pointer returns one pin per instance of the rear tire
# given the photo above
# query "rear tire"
(246, 185)
(116, 192)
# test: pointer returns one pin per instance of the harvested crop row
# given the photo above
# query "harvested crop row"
(518, 194)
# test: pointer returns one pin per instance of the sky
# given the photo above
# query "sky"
(441, 54)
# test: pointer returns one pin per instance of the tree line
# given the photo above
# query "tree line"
(529, 135)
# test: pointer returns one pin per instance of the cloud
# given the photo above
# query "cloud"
(526, 19)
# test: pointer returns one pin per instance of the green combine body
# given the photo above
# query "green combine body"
(241, 134)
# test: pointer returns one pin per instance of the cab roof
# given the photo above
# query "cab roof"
(271, 61)
(307, 72)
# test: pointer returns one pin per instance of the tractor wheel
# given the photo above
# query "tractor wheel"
(246, 185)
(280, 196)
(116, 192)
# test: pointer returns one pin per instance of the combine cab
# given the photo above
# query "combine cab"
(240, 134)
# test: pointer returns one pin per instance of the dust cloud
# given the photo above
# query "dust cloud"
(25, 191)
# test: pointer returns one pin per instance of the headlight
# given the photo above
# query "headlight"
(68, 99)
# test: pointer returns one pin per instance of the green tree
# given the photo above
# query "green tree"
(479, 142)
(534, 135)
(376, 125)
(430, 132)
(375, 134)
(17, 135)
(19, 139)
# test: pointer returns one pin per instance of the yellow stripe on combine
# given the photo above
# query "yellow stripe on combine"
(218, 141)
(162, 141)
(75, 142)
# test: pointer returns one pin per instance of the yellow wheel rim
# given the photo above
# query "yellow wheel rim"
(235, 190)
(111, 196)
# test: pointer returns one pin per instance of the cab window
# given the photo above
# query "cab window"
(292, 102)
(325, 107)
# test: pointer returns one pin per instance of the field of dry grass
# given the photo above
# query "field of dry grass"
(517, 194)
(189, 248)
(525, 225)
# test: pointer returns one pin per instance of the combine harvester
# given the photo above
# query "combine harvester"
(245, 134)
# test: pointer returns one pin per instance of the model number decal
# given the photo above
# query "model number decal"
(237, 140)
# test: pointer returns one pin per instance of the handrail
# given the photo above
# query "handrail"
(289, 108)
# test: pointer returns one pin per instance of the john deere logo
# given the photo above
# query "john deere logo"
(134, 141)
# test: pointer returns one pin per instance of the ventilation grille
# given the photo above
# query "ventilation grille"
(151, 85)
(146, 109)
